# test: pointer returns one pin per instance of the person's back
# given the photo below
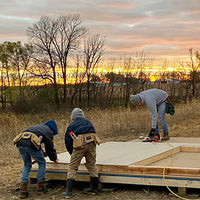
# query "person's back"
(29, 145)
(83, 131)
(79, 126)
(153, 97)
(46, 131)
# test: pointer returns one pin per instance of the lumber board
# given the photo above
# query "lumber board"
(157, 157)
(153, 181)
(181, 160)
(61, 175)
(136, 179)
(156, 170)
(190, 149)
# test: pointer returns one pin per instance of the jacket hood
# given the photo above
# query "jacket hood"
(52, 125)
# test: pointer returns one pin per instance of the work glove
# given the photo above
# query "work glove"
(152, 133)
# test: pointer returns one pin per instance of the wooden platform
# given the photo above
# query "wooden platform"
(175, 163)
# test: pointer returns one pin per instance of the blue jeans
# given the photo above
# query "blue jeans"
(161, 116)
(26, 154)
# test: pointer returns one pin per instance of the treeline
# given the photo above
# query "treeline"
(112, 95)
(37, 75)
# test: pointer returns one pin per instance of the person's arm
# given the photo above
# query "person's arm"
(154, 118)
(49, 148)
(68, 141)
(151, 105)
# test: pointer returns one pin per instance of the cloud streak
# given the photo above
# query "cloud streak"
(158, 27)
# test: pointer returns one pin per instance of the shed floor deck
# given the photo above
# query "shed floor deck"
(175, 163)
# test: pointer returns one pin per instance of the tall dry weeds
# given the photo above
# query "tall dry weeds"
(112, 124)
(186, 121)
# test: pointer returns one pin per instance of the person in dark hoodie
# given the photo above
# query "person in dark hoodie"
(29, 145)
(81, 129)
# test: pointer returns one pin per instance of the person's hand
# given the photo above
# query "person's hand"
(45, 154)
(56, 161)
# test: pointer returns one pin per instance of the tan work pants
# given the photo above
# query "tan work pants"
(89, 152)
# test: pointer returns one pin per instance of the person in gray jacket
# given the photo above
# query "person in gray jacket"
(154, 100)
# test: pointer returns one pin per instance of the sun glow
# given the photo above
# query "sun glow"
(74, 75)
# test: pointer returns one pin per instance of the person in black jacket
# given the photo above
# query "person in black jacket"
(29, 145)
(83, 130)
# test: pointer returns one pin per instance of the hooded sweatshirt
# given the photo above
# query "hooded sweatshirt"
(152, 98)
(47, 138)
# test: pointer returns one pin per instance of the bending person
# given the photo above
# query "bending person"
(29, 145)
(154, 100)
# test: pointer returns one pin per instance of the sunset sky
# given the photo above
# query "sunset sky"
(158, 27)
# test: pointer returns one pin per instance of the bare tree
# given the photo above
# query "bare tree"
(14, 58)
(54, 40)
(133, 68)
(127, 65)
(142, 61)
(93, 52)
(70, 31)
(192, 66)
(19, 56)
(4, 72)
(2, 85)
(41, 35)
(194, 69)
(79, 76)
(111, 76)
(41, 73)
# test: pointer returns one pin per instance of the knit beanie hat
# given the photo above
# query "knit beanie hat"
(77, 112)
(52, 125)
(135, 99)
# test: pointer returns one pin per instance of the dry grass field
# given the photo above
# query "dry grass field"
(111, 125)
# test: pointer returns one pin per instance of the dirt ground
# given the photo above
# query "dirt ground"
(109, 192)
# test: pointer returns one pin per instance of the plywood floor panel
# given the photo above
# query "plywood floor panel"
(123, 153)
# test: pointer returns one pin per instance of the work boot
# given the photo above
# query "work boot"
(23, 190)
(93, 189)
(157, 137)
(41, 187)
(69, 188)
(165, 137)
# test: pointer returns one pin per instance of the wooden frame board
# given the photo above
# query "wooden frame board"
(140, 170)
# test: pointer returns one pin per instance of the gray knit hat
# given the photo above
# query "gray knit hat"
(77, 112)
(135, 99)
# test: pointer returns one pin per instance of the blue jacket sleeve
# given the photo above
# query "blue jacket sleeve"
(49, 147)
(68, 141)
